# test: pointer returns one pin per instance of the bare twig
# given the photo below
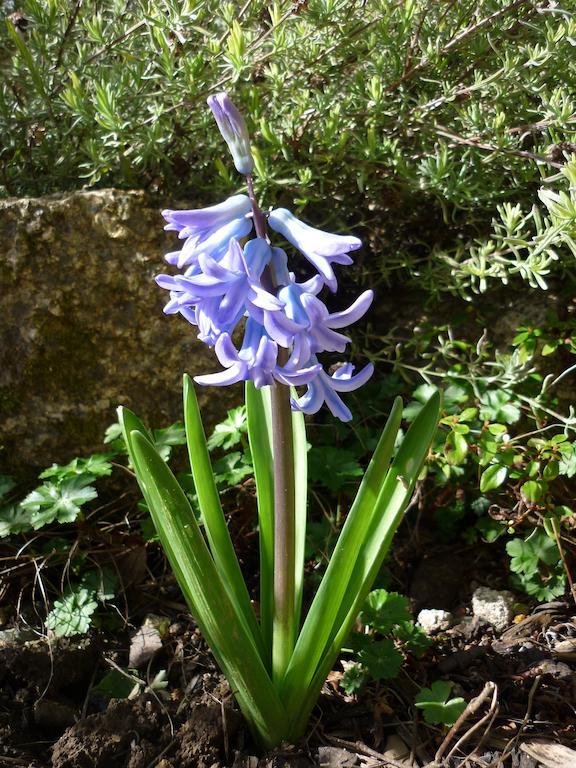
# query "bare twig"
(67, 31)
(507, 751)
(477, 144)
(489, 690)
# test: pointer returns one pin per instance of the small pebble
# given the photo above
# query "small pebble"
(434, 619)
(494, 607)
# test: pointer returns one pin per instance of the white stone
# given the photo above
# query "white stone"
(433, 619)
(493, 606)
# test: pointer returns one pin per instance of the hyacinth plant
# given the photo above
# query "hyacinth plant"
(231, 278)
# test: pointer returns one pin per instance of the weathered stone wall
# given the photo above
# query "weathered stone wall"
(82, 328)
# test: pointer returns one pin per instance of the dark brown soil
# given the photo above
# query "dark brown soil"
(52, 714)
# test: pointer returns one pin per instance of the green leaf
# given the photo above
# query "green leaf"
(102, 583)
(229, 433)
(551, 471)
(413, 638)
(455, 448)
(96, 465)
(14, 519)
(115, 685)
(212, 515)
(317, 631)
(362, 545)
(380, 657)
(354, 678)
(493, 477)
(497, 405)
(567, 464)
(533, 490)
(383, 610)
(211, 597)
(259, 435)
(231, 469)
(437, 705)
(60, 501)
(333, 467)
(72, 615)
(166, 439)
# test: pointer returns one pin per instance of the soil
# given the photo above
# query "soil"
(141, 689)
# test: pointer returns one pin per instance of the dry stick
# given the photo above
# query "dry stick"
(67, 31)
(507, 751)
(363, 749)
(472, 142)
(490, 689)
(489, 716)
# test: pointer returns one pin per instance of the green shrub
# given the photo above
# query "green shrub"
(414, 119)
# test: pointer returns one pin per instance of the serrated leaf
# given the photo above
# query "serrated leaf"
(102, 583)
(497, 406)
(567, 464)
(232, 469)
(166, 439)
(14, 519)
(229, 433)
(413, 638)
(97, 465)
(72, 615)
(354, 678)
(383, 610)
(59, 501)
(333, 467)
(381, 658)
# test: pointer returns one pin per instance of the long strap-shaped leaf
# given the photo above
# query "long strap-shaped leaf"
(212, 514)
(218, 617)
(259, 428)
(386, 515)
(315, 634)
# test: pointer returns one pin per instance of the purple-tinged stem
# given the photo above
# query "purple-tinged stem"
(284, 614)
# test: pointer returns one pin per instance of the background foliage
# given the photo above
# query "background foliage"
(432, 124)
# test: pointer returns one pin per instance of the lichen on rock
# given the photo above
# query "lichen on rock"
(82, 328)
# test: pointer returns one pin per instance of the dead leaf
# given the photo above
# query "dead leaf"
(549, 754)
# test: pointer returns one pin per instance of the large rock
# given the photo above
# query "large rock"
(81, 325)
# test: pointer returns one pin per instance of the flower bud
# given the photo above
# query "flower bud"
(233, 129)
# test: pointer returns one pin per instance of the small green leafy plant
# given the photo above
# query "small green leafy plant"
(437, 706)
(388, 633)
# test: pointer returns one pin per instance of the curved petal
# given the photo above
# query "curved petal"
(206, 218)
(354, 312)
(226, 352)
(231, 375)
(348, 383)
(311, 401)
